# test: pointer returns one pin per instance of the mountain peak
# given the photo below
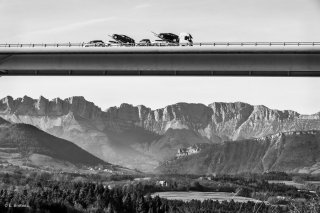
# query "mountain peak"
(220, 102)
(27, 98)
(42, 98)
(57, 99)
(75, 99)
(126, 105)
(7, 98)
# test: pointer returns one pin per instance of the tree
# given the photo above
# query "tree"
(6, 178)
(244, 192)
(298, 179)
(141, 205)
(110, 209)
(127, 204)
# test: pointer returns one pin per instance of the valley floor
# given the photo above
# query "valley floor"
(36, 191)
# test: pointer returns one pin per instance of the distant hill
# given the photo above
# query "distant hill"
(297, 152)
(26, 143)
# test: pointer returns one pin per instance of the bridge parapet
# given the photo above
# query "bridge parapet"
(248, 58)
(82, 44)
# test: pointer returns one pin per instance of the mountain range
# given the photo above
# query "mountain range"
(139, 137)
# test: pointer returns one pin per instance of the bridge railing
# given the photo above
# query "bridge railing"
(158, 44)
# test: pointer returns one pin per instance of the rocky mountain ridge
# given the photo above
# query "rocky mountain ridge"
(45, 107)
(226, 120)
(139, 137)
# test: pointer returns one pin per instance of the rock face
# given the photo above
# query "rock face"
(296, 152)
(44, 107)
(194, 149)
(138, 137)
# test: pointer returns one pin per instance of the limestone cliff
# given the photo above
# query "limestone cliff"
(138, 137)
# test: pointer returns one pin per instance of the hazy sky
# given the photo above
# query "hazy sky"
(208, 20)
(299, 94)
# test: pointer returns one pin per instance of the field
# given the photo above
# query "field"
(192, 195)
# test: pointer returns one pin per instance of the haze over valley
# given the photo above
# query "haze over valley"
(140, 138)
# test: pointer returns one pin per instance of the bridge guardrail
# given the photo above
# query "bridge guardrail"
(57, 45)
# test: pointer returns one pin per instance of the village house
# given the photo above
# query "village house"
(162, 183)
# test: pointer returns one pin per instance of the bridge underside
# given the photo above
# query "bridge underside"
(169, 62)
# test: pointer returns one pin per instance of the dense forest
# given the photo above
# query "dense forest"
(88, 197)
(28, 192)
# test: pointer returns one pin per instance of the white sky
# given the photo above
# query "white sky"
(207, 20)
(299, 94)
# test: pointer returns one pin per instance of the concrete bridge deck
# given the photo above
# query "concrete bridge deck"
(241, 58)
